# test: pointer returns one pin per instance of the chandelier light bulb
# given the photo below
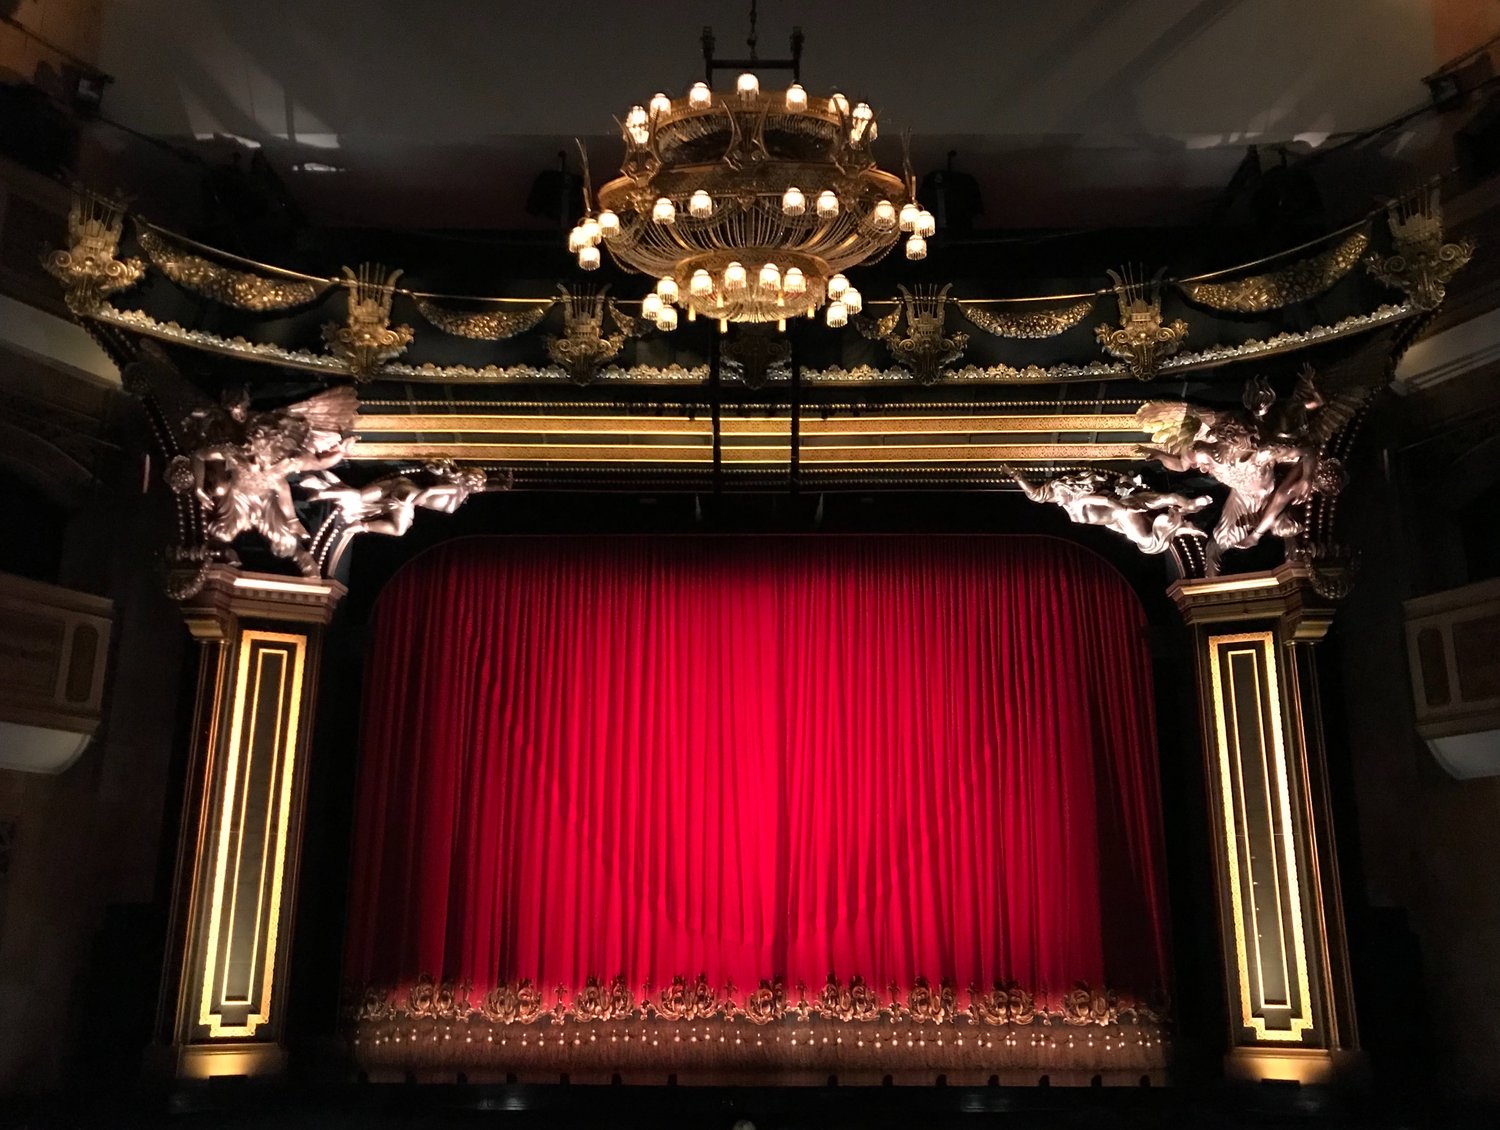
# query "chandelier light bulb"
(747, 85)
(770, 277)
(863, 116)
(794, 282)
(609, 224)
(636, 125)
(651, 306)
(700, 205)
(734, 277)
(591, 230)
(701, 285)
(588, 257)
(926, 225)
(838, 104)
(576, 239)
(796, 98)
(883, 216)
(660, 104)
(837, 315)
(663, 211)
(666, 321)
(916, 247)
(666, 286)
(793, 203)
(853, 301)
(909, 214)
(836, 287)
(700, 97)
(828, 204)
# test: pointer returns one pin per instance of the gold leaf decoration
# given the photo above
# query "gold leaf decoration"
(1297, 282)
(241, 289)
(1028, 323)
(1142, 340)
(367, 339)
(483, 325)
(1421, 263)
(90, 269)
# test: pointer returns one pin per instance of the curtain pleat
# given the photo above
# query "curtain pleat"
(748, 758)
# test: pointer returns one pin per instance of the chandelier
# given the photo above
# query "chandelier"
(749, 205)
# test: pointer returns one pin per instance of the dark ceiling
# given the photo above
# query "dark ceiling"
(1071, 113)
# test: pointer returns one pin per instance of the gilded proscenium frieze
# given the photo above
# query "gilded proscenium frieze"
(1259, 837)
(897, 440)
(892, 454)
(485, 424)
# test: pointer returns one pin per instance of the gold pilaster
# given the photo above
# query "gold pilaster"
(1281, 918)
(224, 994)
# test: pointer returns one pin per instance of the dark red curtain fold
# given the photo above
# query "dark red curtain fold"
(752, 757)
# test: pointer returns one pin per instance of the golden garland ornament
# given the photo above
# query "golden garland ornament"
(243, 290)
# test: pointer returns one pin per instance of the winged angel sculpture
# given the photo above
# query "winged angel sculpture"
(240, 463)
(240, 467)
(1270, 454)
(1123, 503)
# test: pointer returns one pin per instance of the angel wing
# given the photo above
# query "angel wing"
(332, 410)
(878, 329)
(1332, 413)
(1172, 424)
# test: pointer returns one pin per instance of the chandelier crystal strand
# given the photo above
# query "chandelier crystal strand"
(747, 207)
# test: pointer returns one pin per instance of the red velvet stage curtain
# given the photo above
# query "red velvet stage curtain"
(888, 757)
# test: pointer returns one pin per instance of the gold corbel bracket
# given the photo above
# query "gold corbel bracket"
(1285, 594)
(229, 594)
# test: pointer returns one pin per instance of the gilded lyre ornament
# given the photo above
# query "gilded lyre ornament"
(90, 270)
(925, 350)
(1027, 323)
(483, 325)
(367, 340)
(1141, 339)
(584, 345)
(1272, 456)
(1123, 503)
(241, 289)
(1420, 264)
(1296, 282)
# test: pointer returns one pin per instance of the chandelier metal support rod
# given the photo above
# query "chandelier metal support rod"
(754, 62)
(794, 456)
(715, 385)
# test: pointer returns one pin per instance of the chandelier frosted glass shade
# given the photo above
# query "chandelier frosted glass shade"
(748, 200)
